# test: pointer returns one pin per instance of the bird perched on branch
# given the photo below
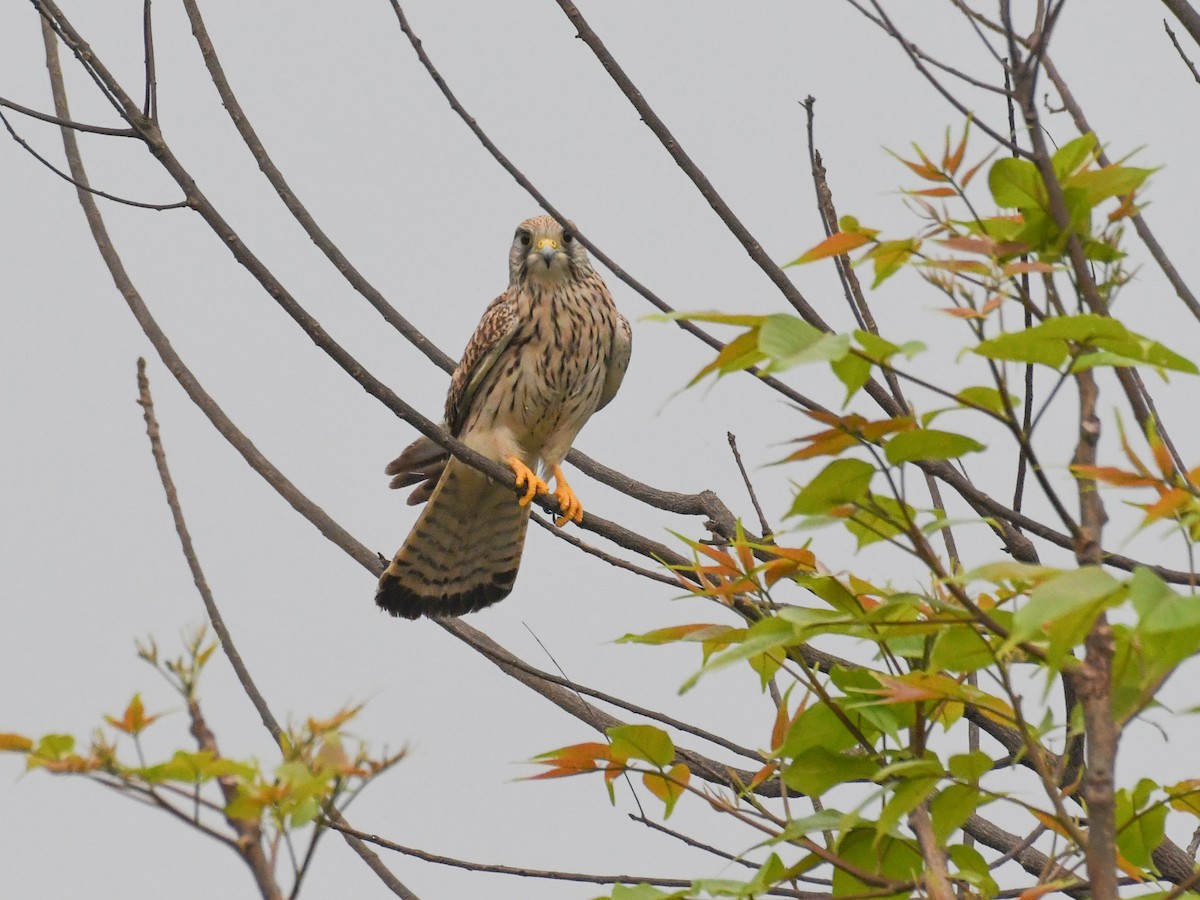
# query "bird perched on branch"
(548, 352)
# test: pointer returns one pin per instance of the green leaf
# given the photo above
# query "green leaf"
(890, 256)
(960, 648)
(644, 892)
(906, 797)
(1065, 607)
(842, 481)
(1160, 609)
(893, 858)
(788, 341)
(1139, 831)
(952, 807)
(988, 398)
(1111, 181)
(817, 769)
(879, 518)
(1073, 155)
(1015, 183)
(852, 371)
(970, 766)
(643, 742)
(819, 726)
(763, 636)
(973, 868)
(927, 443)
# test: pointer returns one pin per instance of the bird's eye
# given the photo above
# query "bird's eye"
(523, 238)
(568, 237)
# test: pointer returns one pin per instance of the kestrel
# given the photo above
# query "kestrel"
(548, 352)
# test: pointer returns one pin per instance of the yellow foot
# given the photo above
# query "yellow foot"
(568, 503)
(527, 480)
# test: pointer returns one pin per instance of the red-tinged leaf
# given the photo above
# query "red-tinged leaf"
(135, 719)
(970, 266)
(954, 160)
(1162, 456)
(1133, 458)
(992, 304)
(928, 172)
(746, 557)
(725, 562)
(1167, 505)
(806, 558)
(339, 719)
(983, 245)
(962, 312)
(1126, 209)
(935, 192)
(1020, 268)
(896, 690)
(762, 775)
(1114, 476)
(828, 443)
(776, 569)
(979, 165)
(557, 773)
(1051, 822)
(1040, 890)
(837, 244)
(16, 743)
(591, 750)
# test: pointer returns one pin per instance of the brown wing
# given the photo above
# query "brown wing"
(491, 336)
(423, 461)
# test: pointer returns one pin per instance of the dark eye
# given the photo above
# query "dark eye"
(523, 238)
(568, 237)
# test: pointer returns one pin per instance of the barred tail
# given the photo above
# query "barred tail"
(463, 553)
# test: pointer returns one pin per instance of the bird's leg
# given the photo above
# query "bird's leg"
(568, 503)
(527, 479)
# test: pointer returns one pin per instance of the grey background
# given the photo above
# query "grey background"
(335, 91)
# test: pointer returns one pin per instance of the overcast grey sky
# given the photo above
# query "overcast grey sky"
(336, 93)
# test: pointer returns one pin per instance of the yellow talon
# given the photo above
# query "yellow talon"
(528, 480)
(568, 504)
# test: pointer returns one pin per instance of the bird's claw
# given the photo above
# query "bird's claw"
(570, 509)
(527, 480)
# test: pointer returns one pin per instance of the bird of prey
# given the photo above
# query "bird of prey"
(548, 352)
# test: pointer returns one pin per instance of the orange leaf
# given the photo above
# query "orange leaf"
(16, 742)
(954, 160)
(983, 245)
(762, 775)
(936, 192)
(1162, 456)
(837, 244)
(135, 719)
(1051, 822)
(1167, 505)
(1114, 476)
(1040, 890)
(1019, 268)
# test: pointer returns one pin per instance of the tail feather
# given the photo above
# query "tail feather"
(421, 461)
(462, 554)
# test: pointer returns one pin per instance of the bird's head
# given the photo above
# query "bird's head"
(547, 252)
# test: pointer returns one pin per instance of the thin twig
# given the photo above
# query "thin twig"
(767, 531)
(91, 190)
(77, 126)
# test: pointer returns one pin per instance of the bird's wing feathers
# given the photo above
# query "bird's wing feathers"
(491, 336)
(618, 360)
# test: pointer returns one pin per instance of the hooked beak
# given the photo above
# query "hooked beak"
(547, 248)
